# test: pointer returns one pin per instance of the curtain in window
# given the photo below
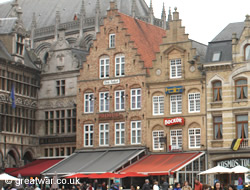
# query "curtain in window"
(245, 130)
(220, 92)
(216, 129)
(220, 131)
(244, 92)
(238, 92)
(215, 94)
(239, 131)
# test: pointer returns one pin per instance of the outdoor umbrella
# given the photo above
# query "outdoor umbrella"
(239, 169)
(216, 170)
(77, 176)
(7, 177)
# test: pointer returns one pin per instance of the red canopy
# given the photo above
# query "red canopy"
(134, 174)
(77, 176)
(35, 168)
(106, 175)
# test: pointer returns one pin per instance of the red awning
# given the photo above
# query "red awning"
(106, 175)
(162, 164)
(34, 168)
(77, 176)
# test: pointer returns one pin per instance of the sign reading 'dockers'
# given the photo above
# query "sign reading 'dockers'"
(174, 121)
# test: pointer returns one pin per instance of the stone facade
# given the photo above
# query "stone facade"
(186, 80)
(227, 82)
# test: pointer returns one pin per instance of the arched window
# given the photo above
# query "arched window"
(217, 91)
(241, 89)
(247, 52)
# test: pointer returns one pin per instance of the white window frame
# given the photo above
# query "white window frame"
(120, 100)
(158, 105)
(104, 102)
(105, 133)
(176, 139)
(176, 104)
(89, 133)
(135, 102)
(157, 145)
(175, 68)
(196, 138)
(194, 101)
(120, 65)
(120, 133)
(136, 132)
(111, 40)
(104, 66)
(89, 101)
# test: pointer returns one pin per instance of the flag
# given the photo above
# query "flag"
(12, 96)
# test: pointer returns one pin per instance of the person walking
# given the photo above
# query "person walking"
(156, 186)
(186, 186)
(164, 185)
(177, 186)
(217, 186)
(197, 184)
(146, 185)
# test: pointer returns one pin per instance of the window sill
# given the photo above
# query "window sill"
(138, 109)
(240, 100)
(217, 141)
(216, 103)
(176, 113)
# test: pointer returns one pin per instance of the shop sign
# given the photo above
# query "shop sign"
(174, 89)
(110, 82)
(174, 121)
(235, 162)
(110, 116)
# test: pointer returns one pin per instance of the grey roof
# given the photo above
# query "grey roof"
(223, 42)
(226, 33)
(6, 25)
(46, 9)
(96, 161)
(200, 50)
(28, 62)
(4, 54)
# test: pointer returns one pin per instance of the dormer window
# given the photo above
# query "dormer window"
(19, 44)
(247, 52)
(112, 41)
(216, 56)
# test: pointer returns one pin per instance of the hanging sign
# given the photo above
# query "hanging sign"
(174, 89)
(174, 121)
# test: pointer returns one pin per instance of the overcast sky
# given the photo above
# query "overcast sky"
(204, 19)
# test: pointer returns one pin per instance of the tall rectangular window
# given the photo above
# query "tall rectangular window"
(104, 101)
(104, 67)
(194, 138)
(241, 89)
(157, 144)
(176, 104)
(135, 99)
(158, 105)
(111, 40)
(175, 68)
(218, 127)
(176, 139)
(88, 103)
(19, 44)
(217, 91)
(194, 102)
(103, 134)
(119, 100)
(60, 87)
(136, 132)
(88, 135)
(119, 133)
(242, 126)
(120, 65)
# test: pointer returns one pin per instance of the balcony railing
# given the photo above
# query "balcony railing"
(244, 143)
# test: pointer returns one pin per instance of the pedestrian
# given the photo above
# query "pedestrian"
(95, 184)
(104, 186)
(146, 185)
(165, 185)
(217, 186)
(206, 187)
(177, 186)
(156, 186)
(231, 187)
(186, 186)
(132, 187)
(90, 187)
(197, 184)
